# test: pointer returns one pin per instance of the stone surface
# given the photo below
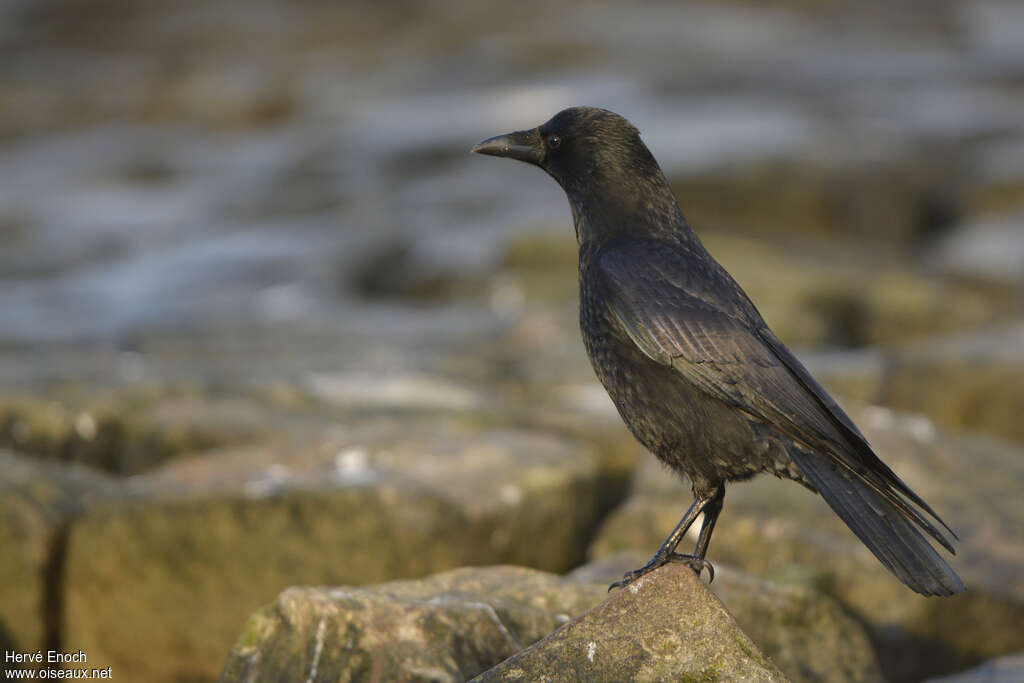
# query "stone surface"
(38, 502)
(459, 623)
(966, 382)
(447, 627)
(805, 633)
(777, 529)
(125, 432)
(205, 540)
(970, 381)
(665, 626)
(455, 625)
(875, 200)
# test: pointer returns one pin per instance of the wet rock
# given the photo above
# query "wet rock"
(805, 633)
(220, 534)
(664, 626)
(1009, 668)
(777, 529)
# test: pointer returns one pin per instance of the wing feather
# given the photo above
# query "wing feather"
(684, 313)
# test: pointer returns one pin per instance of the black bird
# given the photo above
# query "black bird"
(692, 367)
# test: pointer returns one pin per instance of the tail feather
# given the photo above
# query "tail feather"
(882, 526)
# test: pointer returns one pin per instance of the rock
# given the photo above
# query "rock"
(892, 200)
(777, 529)
(38, 502)
(124, 433)
(664, 626)
(455, 625)
(447, 627)
(972, 381)
(1004, 669)
(202, 541)
(461, 622)
(965, 382)
(805, 633)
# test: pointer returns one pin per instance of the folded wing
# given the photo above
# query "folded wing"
(700, 324)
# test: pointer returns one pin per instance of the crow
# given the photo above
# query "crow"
(692, 367)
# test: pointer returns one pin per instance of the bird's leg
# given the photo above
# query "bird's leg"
(697, 561)
(710, 505)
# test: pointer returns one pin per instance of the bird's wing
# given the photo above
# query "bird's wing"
(689, 315)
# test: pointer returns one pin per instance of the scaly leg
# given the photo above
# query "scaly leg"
(711, 506)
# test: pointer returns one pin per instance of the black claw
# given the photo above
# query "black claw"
(697, 564)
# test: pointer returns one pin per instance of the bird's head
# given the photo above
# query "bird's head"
(596, 156)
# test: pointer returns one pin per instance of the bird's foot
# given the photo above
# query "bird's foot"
(697, 564)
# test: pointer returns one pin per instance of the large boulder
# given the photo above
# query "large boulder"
(778, 529)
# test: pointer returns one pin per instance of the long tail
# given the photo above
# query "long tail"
(884, 529)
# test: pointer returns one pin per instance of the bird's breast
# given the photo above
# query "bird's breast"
(683, 426)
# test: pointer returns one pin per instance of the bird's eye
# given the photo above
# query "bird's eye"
(554, 141)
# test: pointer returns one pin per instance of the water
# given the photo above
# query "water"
(183, 168)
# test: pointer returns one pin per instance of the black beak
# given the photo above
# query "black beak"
(523, 145)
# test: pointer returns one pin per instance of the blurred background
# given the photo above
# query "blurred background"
(264, 321)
